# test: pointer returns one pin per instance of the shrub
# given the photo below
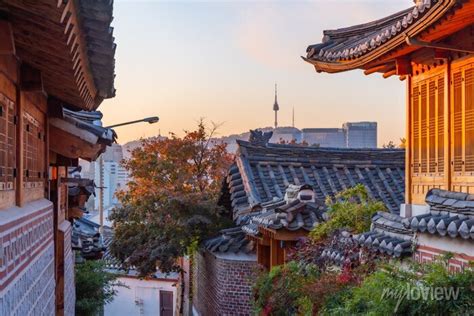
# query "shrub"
(282, 290)
(411, 290)
(351, 209)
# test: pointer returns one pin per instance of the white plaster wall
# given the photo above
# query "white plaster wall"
(141, 298)
(409, 210)
(456, 245)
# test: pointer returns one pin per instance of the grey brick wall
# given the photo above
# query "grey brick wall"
(222, 286)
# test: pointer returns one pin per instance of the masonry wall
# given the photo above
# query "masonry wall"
(69, 284)
(27, 283)
(431, 246)
(223, 285)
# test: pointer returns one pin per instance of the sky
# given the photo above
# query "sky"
(219, 60)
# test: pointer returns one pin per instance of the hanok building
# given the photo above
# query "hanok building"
(431, 47)
(56, 57)
(276, 194)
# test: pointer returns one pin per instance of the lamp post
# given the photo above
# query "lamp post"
(149, 120)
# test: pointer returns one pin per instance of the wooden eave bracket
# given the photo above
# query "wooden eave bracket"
(415, 42)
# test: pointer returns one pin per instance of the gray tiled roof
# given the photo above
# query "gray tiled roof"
(356, 41)
(87, 239)
(261, 173)
(387, 235)
(451, 214)
(230, 240)
(96, 18)
(340, 249)
(91, 122)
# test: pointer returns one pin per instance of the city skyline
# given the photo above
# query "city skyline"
(227, 74)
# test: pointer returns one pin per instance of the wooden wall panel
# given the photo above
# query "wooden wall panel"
(8, 153)
(469, 119)
(440, 126)
(416, 128)
(34, 145)
(427, 131)
(462, 108)
(457, 121)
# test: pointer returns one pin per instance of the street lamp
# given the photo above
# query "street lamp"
(149, 120)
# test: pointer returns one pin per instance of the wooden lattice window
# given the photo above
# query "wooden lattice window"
(7, 143)
(440, 124)
(457, 122)
(416, 128)
(469, 118)
(428, 125)
(34, 151)
(431, 126)
(424, 129)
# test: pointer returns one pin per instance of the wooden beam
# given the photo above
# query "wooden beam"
(7, 44)
(273, 253)
(415, 42)
(30, 79)
(441, 54)
(380, 68)
(403, 66)
(20, 166)
(390, 73)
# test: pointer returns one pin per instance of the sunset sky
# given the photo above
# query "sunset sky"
(182, 60)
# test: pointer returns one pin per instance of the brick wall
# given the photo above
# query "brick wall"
(27, 283)
(222, 286)
(457, 263)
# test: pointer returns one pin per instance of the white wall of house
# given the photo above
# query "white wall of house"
(141, 298)
(448, 244)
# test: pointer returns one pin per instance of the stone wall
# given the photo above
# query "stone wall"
(27, 283)
(69, 285)
(222, 285)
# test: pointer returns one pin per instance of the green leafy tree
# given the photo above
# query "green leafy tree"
(171, 201)
(94, 287)
(351, 209)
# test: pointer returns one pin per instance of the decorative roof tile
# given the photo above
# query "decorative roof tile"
(230, 240)
(353, 47)
(291, 216)
(451, 215)
(387, 235)
(355, 41)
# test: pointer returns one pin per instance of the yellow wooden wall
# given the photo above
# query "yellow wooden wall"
(440, 127)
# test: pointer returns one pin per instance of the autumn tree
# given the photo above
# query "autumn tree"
(171, 200)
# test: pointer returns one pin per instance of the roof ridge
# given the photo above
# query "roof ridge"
(363, 27)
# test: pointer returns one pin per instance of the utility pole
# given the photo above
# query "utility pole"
(101, 193)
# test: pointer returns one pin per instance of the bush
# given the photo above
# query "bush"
(94, 287)
(351, 209)
(428, 289)
(282, 290)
